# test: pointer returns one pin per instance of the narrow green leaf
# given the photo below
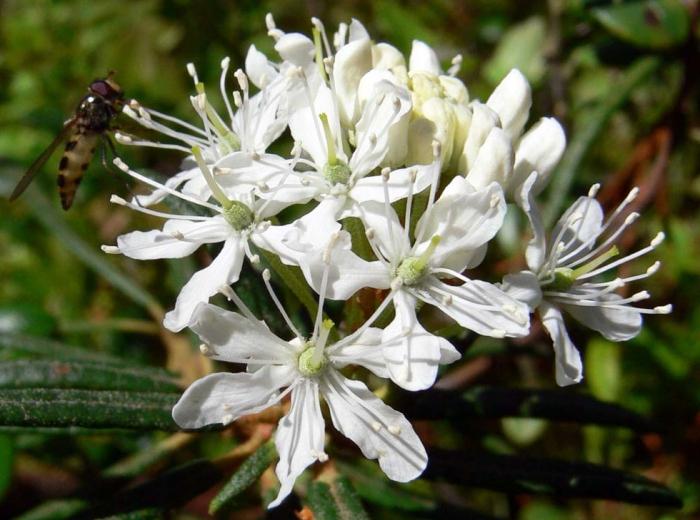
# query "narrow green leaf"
(14, 346)
(149, 513)
(170, 489)
(373, 486)
(589, 130)
(652, 24)
(55, 510)
(321, 501)
(58, 408)
(84, 375)
(348, 500)
(140, 461)
(496, 402)
(6, 463)
(247, 474)
(563, 479)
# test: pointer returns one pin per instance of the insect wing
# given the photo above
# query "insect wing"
(28, 177)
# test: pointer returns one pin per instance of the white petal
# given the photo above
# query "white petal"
(365, 350)
(482, 122)
(423, 59)
(569, 369)
(305, 125)
(614, 324)
(412, 354)
(296, 48)
(511, 100)
(347, 272)
(388, 57)
(224, 397)
(229, 336)
(388, 232)
(291, 241)
(379, 431)
(386, 107)
(524, 287)
(224, 270)
(299, 438)
(478, 306)
(539, 150)
(437, 123)
(179, 238)
(357, 31)
(464, 219)
(372, 188)
(258, 68)
(536, 251)
(351, 62)
(494, 162)
(582, 222)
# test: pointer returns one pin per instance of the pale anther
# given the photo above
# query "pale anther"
(658, 239)
(594, 190)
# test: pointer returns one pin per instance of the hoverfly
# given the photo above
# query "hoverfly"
(81, 132)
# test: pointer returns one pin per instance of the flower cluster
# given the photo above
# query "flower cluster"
(370, 129)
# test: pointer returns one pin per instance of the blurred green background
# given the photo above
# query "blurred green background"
(623, 80)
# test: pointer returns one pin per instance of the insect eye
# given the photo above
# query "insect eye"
(101, 88)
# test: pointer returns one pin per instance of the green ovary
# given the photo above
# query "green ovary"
(238, 215)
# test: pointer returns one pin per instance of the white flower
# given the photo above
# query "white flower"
(308, 369)
(562, 276)
(253, 123)
(451, 236)
(342, 178)
(239, 217)
(440, 108)
(495, 148)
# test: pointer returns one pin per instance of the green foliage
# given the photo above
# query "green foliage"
(244, 477)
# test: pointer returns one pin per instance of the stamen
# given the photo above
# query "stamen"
(222, 86)
(378, 311)
(115, 199)
(192, 71)
(125, 168)
(412, 175)
(278, 304)
(658, 239)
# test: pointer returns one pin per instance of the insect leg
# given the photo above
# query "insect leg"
(108, 143)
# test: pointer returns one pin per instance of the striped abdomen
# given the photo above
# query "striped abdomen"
(80, 148)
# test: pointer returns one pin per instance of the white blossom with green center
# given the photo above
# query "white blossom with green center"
(307, 369)
(237, 218)
(451, 236)
(565, 276)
